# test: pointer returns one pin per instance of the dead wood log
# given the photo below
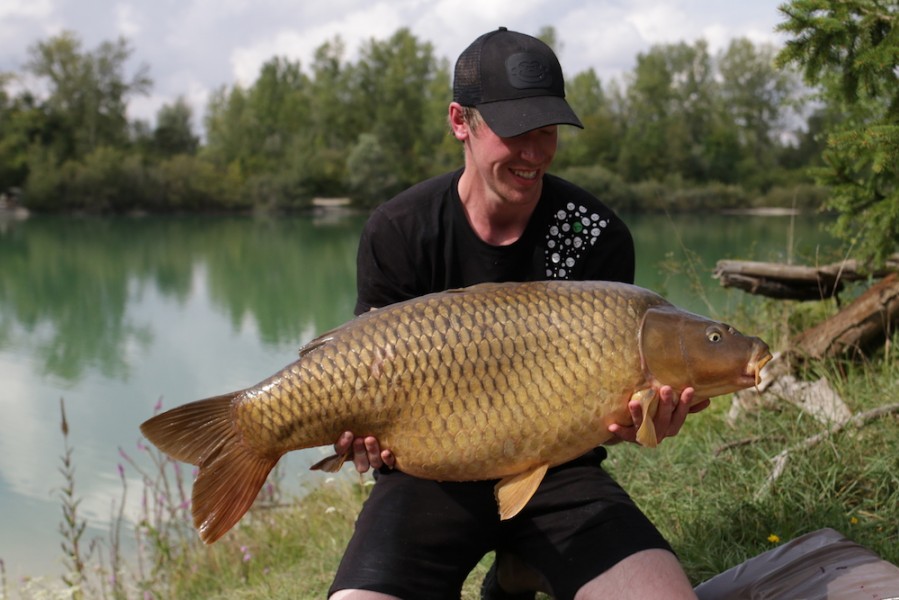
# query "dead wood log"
(784, 282)
(795, 282)
(865, 323)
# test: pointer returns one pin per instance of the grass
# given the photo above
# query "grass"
(707, 490)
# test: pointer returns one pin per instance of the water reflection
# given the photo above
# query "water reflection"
(65, 284)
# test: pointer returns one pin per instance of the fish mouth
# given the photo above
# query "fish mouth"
(754, 373)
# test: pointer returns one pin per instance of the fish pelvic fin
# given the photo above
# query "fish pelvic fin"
(231, 473)
(332, 463)
(513, 492)
(649, 403)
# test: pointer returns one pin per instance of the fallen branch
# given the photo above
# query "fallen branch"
(857, 422)
(817, 398)
(795, 282)
(866, 322)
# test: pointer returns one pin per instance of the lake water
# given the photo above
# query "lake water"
(115, 314)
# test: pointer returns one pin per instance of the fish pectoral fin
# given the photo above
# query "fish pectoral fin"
(649, 403)
(513, 492)
(332, 463)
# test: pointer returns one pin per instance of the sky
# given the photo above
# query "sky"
(193, 47)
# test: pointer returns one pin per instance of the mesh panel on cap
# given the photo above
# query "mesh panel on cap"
(467, 81)
(467, 77)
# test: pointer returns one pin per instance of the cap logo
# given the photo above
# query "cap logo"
(526, 70)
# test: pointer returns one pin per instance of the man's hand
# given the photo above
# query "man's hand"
(669, 418)
(366, 452)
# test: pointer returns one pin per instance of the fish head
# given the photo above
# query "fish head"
(682, 350)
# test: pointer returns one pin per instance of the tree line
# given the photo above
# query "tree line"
(366, 129)
(684, 129)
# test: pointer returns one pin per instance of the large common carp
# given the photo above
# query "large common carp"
(495, 381)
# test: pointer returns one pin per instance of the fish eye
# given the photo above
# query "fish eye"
(714, 335)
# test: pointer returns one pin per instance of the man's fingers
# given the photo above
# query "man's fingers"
(360, 456)
(373, 453)
(343, 443)
(366, 452)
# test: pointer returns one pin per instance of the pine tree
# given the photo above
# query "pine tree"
(850, 48)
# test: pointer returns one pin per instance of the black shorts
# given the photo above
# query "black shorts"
(419, 539)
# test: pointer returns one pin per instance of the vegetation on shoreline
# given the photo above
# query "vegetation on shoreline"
(686, 128)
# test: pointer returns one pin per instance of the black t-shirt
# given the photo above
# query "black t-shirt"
(421, 242)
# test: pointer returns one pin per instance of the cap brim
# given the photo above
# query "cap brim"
(508, 118)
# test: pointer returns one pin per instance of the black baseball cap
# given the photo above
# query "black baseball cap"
(515, 81)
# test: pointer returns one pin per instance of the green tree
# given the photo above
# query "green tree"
(334, 123)
(393, 87)
(600, 141)
(669, 107)
(756, 98)
(173, 133)
(88, 93)
(256, 134)
(253, 127)
(369, 181)
(20, 124)
(851, 49)
(224, 122)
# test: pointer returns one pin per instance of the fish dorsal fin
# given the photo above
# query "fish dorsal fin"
(649, 403)
(488, 286)
(513, 492)
(317, 342)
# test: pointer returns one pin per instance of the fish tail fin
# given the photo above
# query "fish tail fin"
(226, 488)
(231, 473)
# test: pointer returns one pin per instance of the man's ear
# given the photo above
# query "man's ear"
(457, 123)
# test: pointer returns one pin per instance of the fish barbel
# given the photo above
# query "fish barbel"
(495, 381)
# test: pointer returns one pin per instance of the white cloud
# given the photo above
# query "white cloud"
(128, 18)
(377, 21)
(31, 9)
(212, 43)
(662, 23)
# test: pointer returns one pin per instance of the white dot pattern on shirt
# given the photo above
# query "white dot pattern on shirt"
(570, 234)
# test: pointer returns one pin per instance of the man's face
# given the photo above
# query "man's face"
(512, 168)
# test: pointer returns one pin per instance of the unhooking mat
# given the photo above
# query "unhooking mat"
(822, 565)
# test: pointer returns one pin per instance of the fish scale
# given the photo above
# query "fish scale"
(496, 381)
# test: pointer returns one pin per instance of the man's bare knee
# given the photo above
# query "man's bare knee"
(361, 595)
(652, 573)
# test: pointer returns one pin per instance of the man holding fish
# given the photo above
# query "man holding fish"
(503, 218)
(507, 348)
